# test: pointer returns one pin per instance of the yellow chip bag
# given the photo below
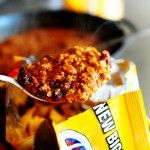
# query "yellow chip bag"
(118, 124)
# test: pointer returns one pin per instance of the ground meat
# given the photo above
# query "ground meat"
(39, 42)
(71, 76)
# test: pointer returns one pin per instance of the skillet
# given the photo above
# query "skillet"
(15, 23)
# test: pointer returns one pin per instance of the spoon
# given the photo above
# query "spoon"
(15, 83)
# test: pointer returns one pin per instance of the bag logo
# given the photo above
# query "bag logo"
(73, 140)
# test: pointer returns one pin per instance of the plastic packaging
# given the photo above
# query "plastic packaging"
(120, 123)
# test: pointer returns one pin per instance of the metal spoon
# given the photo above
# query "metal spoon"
(14, 82)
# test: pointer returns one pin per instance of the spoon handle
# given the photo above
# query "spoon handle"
(9, 80)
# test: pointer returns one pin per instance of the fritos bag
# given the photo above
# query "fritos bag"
(120, 123)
